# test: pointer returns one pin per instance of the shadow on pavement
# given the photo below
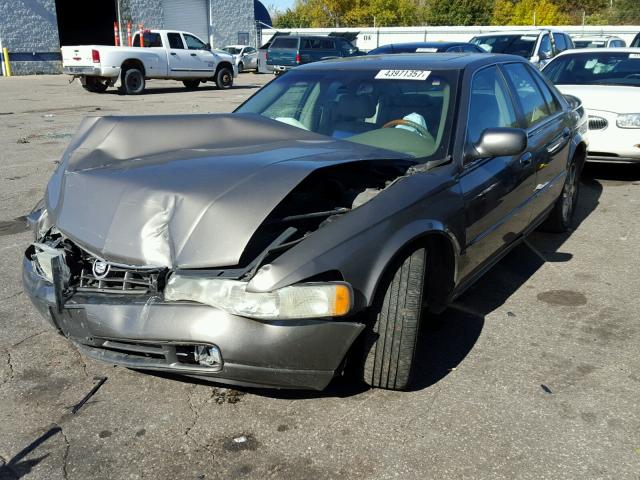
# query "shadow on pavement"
(17, 467)
(177, 89)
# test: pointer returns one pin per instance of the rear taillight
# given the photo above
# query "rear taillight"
(95, 55)
(297, 58)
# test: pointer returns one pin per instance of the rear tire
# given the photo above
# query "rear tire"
(95, 85)
(561, 217)
(390, 343)
(133, 82)
(191, 84)
(224, 78)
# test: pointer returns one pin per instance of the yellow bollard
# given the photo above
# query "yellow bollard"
(7, 65)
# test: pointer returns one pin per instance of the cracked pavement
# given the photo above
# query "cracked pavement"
(534, 373)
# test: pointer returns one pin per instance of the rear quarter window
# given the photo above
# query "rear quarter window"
(284, 42)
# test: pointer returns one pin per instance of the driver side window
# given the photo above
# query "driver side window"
(193, 43)
(490, 105)
(545, 46)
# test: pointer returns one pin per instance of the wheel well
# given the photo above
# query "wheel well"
(133, 63)
(440, 268)
(222, 65)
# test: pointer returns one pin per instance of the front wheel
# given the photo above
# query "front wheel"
(561, 217)
(191, 84)
(224, 78)
(390, 342)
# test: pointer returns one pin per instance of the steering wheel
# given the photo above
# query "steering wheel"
(401, 121)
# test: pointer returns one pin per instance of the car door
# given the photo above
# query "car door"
(179, 59)
(201, 60)
(547, 131)
(496, 190)
(251, 56)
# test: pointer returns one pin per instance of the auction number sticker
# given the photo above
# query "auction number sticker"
(634, 55)
(426, 50)
(403, 74)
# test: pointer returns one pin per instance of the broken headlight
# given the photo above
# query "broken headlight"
(310, 300)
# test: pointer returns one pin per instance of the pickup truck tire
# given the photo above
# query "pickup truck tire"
(224, 78)
(95, 85)
(390, 341)
(191, 84)
(561, 217)
(132, 81)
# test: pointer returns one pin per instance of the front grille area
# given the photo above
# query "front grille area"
(597, 123)
(120, 280)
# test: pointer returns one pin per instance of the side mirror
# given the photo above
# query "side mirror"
(207, 46)
(545, 55)
(498, 142)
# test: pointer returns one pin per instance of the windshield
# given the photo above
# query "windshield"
(590, 43)
(595, 69)
(522, 45)
(407, 111)
(232, 50)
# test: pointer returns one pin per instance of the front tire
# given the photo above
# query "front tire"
(133, 82)
(224, 78)
(95, 85)
(191, 84)
(391, 342)
(561, 217)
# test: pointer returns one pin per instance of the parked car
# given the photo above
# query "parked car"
(598, 41)
(325, 219)
(537, 46)
(636, 41)
(246, 58)
(426, 47)
(287, 52)
(158, 54)
(608, 83)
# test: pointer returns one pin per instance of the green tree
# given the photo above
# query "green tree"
(526, 12)
(460, 12)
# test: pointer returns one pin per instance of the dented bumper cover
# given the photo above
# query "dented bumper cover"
(150, 334)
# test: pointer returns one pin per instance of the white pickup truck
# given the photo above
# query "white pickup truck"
(163, 54)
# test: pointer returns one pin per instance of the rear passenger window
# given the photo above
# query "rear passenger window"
(560, 42)
(534, 106)
(327, 44)
(490, 105)
(175, 40)
(284, 42)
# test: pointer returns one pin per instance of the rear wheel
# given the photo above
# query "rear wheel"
(132, 81)
(224, 78)
(391, 340)
(191, 84)
(561, 217)
(95, 85)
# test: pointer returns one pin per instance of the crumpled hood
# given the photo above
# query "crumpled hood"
(182, 191)
(607, 98)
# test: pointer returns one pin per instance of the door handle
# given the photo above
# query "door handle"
(173, 53)
(526, 159)
(193, 54)
(566, 132)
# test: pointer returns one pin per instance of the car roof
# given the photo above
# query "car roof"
(412, 61)
(595, 37)
(439, 43)
(517, 32)
(581, 51)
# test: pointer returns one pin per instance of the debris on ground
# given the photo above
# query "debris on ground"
(546, 389)
(22, 140)
(226, 395)
(95, 388)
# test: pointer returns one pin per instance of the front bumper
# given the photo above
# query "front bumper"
(146, 332)
(611, 143)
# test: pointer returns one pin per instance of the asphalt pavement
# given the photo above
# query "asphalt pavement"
(533, 374)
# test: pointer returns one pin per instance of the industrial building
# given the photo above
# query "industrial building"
(34, 30)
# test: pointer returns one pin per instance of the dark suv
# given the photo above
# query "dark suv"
(291, 51)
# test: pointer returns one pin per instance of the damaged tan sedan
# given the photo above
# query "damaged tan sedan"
(321, 222)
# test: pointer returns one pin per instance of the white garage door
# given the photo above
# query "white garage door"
(187, 15)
